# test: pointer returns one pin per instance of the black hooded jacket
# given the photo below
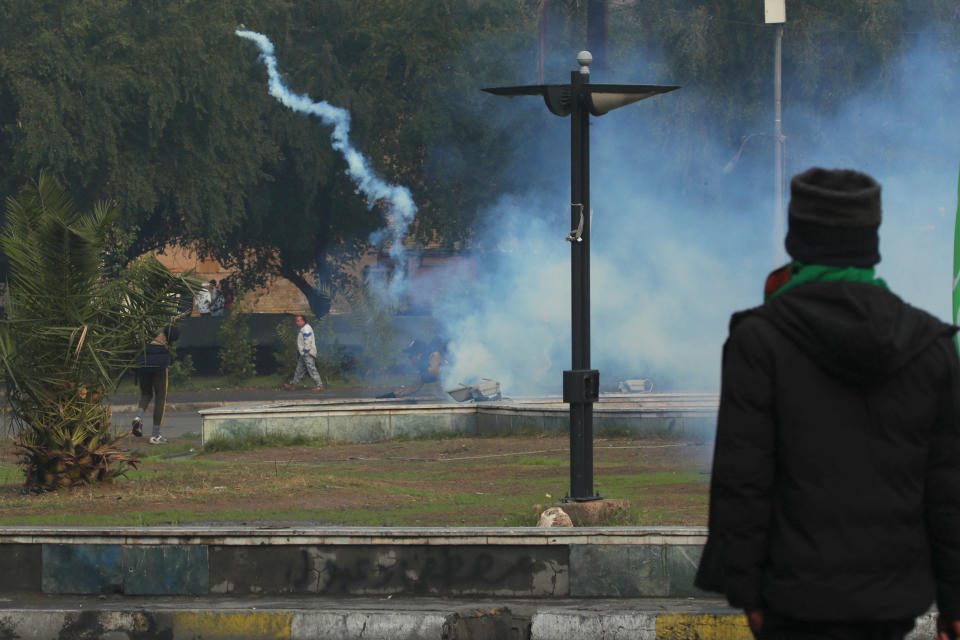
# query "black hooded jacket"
(835, 493)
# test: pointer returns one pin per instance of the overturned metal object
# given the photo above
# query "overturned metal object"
(637, 385)
(484, 390)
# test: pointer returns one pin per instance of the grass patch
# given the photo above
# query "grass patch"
(173, 449)
(543, 462)
(466, 482)
(252, 441)
(10, 473)
(611, 432)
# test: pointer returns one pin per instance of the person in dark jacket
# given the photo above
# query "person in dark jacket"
(150, 369)
(427, 359)
(835, 493)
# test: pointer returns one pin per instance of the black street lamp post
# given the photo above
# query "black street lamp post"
(581, 384)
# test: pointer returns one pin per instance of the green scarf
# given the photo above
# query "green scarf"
(796, 273)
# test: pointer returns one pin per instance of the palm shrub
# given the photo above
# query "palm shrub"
(73, 325)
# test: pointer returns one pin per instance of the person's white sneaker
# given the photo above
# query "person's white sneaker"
(158, 440)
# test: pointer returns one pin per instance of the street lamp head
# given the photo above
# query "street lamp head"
(584, 59)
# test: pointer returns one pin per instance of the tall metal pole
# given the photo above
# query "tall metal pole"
(779, 255)
(581, 402)
(581, 384)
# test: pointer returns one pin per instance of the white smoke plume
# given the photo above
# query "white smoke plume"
(668, 268)
(400, 206)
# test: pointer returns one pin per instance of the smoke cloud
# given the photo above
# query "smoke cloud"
(400, 207)
(675, 249)
(674, 253)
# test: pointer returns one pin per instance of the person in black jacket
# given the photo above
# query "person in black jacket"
(427, 359)
(835, 493)
(150, 369)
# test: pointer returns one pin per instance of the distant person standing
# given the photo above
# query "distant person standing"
(306, 357)
(216, 300)
(150, 369)
(227, 290)
(835, 494)
(203, 301)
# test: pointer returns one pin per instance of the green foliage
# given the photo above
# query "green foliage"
(285, 346)
(238, 351)
(139, 103)
(161, 107)
(371, 318)
(70, 332)
(334, 360)
(181, 368)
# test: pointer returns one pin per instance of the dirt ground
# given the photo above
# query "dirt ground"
(504, 481)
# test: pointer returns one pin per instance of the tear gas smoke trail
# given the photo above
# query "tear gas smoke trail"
(401, 209)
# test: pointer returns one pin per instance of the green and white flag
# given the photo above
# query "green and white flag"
(956, 264)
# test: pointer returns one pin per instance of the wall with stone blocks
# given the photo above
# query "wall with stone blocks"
(552, 569)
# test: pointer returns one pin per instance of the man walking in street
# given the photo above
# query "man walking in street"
(306, 357)
(835, 494)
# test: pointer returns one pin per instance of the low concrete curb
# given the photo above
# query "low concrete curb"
(382, 619)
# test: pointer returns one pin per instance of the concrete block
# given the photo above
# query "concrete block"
(625, 571)
(32, 624)
(231, 427)
(563, 625)
(682, 563)
(369, 625)
(82, 568)
(412, 425)
(165, 570)
(250, 624)
(703, 626)
(491, 423)
(39, 623)
(21, 567)
(261, 570)
(360, 427)
(313, 426)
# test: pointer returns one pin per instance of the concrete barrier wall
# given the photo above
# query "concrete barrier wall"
(377, 420)
(521, 562)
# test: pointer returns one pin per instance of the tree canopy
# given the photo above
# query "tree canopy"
(157, 106)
